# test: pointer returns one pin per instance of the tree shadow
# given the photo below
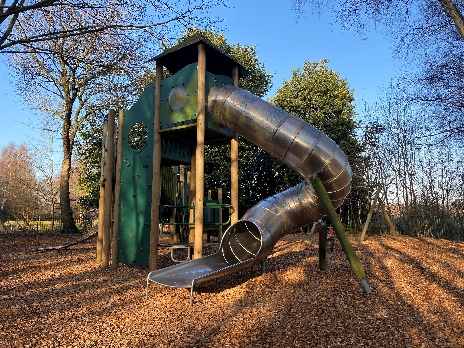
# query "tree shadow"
(293, 303)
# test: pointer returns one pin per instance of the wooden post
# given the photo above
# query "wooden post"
(208, 210)
(156, 180)
(192, 181)
(117, 190)
(108, 215)
(182, 184)
(355, 264)
(371, 212)
(182, 200)
(200, 153)
(173, 238)
(208, 219)
(234, 163)
(220, 214)
(101, 202)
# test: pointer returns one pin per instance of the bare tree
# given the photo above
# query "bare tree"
(398, 16)
(69, 78)
(45, 168)
(9, 14)
(428, 35)
(421, 176)
(147, 15)
(18, 184)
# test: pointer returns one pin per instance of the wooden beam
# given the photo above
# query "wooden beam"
(234, 163)
(220, 214)
(389, 222)
(108, 215)
(101, 202)
(117, 190)
(156, 180)
(191, 180)
(200, 153)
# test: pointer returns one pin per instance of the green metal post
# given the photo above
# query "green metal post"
(322, 231)
(341, 235)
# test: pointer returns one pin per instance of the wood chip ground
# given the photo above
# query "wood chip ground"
(61, 298)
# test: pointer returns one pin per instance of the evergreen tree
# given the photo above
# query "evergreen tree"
(323, 99)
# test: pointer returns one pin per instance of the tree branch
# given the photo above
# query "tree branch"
(456, 15)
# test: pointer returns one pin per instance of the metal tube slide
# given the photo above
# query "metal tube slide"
(292, 141)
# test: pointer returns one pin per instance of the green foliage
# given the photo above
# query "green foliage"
(89, 147)
(257, 80)
(319, 96)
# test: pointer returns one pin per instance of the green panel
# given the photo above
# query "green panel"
(173, 115)
(136, 179)
(186, 115)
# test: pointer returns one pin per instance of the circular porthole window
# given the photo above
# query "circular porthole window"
(137, 137)
(178, 97)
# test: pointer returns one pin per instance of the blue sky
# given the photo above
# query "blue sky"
(283, 43)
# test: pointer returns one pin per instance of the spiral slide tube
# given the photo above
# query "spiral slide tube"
(292, 141)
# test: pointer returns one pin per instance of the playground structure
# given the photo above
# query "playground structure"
(166, 127)
(182, 126)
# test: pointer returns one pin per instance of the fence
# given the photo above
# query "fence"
(83, 223)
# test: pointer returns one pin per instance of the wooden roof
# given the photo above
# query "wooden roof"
(186, 52)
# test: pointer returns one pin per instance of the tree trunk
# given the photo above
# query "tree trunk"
(453, 12)
(69, 225)
(371, 212)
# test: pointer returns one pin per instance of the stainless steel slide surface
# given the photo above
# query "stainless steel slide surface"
(292, 141)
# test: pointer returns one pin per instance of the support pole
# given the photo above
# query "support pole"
(200, 153)
(263, 267)
(220, 215)
(117, 190)
(371, 212)
(101, 202)
(182, 184)
(208, 218)
(341, 235)
(108, 215)
(173, 238)
(192, 193)
(322, 232)
(234, 163)
(156, 180)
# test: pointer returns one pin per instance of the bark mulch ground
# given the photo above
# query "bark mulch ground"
(61, 298)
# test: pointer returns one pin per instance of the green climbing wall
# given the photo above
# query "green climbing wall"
(136, 179)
